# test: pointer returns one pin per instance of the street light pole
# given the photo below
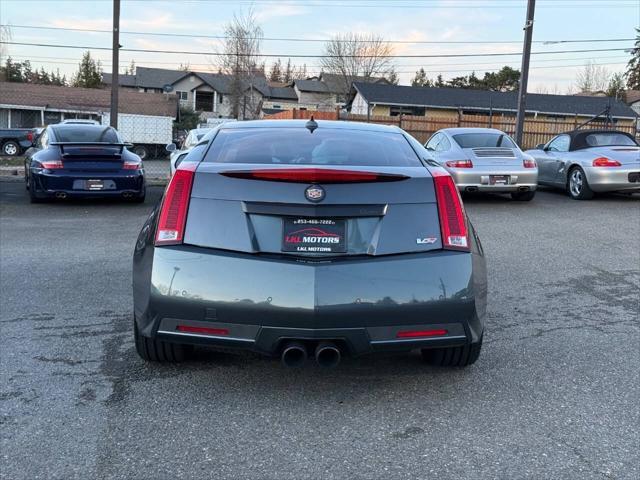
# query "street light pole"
(115, 62)
(524, 71)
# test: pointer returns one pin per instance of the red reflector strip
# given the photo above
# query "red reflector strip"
(453, 222)
(173, 215)
(132, 166)
(421, 333)
(529, 163)
(313, 175)
(52, 165)
(204, 330)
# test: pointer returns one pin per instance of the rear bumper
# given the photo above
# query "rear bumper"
(479, 179)
(259, 303)
(613, 179)
(117, 184)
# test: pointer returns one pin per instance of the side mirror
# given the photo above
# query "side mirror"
(540, 146)
(171, 147)
(431, 149)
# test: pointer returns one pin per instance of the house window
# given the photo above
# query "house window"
(219, 98)
(395, 111)
(182, 96)
(204, 101)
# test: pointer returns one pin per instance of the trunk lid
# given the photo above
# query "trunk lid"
(275, 217)
(91, 157)
(493, 156)
(626, 155)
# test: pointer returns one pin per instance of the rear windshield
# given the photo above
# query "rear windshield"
(608, 139)
(298, 146)
(86, 133)
(475, 140)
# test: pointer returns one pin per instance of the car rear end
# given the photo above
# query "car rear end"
(612, 169)
(81, 162)
(361, 247)
(491, 162)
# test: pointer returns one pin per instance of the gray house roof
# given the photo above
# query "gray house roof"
(314, 86)
(483, 100)
(125, 80)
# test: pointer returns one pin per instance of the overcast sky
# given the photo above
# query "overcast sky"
(404, 20)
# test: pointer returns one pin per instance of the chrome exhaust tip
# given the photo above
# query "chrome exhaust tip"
(327, 355)
(294, 355)
(61, 195)
(471, 189)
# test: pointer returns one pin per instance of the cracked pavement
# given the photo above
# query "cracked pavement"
(554, 393)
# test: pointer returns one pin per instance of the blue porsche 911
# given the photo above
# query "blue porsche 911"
(82, 161)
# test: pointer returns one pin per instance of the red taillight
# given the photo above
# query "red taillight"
(30, 136)
(173, 214)
(529, 163)
(313, 175)
(459, 164)
(605, 162)
(132, 165)
(421, 333)
(52, 164)
(203, 330)
(453, 221)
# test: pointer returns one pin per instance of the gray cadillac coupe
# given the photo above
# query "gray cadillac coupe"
(310, 239)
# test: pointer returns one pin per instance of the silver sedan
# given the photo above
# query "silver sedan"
(485, 160)
(585, 162)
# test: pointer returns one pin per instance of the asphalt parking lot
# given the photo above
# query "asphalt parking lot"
(554, 394)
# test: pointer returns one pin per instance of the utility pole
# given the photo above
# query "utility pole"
(115, 63)
(524, 71)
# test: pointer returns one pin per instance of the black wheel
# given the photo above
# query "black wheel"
(153, 350)
(453, 356)
(523, 196)
(10, 148)
(578, 186)
(141, 151)
(32, 192)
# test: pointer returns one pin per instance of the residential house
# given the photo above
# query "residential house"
(27, 105)
(448, 103)
(210, 93)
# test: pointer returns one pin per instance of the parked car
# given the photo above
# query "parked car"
(14, 141)
(82, 160)
(297, 239)
(485, 160)
(191, 140)
(584, 162)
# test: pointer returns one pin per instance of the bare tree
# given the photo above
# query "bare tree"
(357, 55)
(239, 60)
(592, 78)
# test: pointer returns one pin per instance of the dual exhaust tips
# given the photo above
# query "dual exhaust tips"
(294, 354)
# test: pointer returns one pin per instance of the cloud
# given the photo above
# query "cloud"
(276, 11)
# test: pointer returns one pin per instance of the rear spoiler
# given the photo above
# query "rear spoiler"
(62, 145)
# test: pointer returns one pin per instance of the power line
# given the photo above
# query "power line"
(316, 40)
(273, 55)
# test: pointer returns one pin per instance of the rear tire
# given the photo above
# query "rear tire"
(523, 196)
(578, 186)
(32, 193)
(141, 151)
(153, 350)
(453, 356)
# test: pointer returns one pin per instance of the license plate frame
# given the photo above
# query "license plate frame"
(314, 235)
(94, 184)
(499, 179)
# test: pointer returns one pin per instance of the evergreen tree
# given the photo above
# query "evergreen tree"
(27, 72)
(275, 74)
(392, 76)
(421, 79)
(13, 71)
(439, 81)
(89, 73)
(633, 67)
(44, 77)
(288, 72)
(615, 88)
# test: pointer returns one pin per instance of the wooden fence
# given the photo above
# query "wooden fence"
(535, 131)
